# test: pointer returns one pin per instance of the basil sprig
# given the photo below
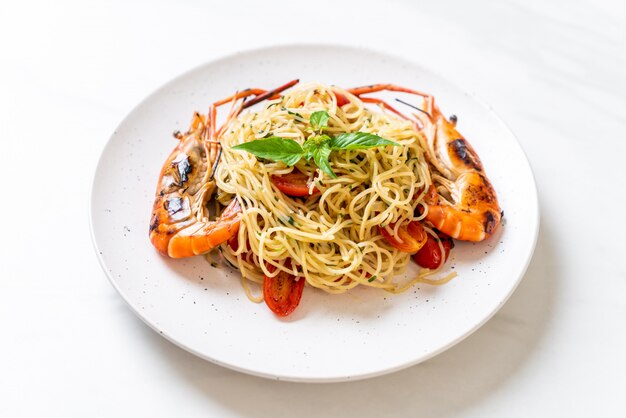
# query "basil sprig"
(318, 146)
(319, 120)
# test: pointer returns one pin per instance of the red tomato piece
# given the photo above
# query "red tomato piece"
(247, 255)
(233, 242)
(410, 238)
(430, 255)
(294, 184)
(341, 99)
(282, 293)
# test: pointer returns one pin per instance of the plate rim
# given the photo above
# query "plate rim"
(292, 378)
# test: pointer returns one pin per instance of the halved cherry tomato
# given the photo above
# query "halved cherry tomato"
(294, 184)
(282, 293)
(412, 237)
(233, 242)
(430, 255)
(341, 99)
(247, 255)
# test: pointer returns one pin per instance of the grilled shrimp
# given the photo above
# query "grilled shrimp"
(464, 205)
(180, 225)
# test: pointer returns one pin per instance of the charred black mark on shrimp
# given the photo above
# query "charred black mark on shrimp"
(174, 205)
(490, 223)
(183, 166)
(154, 224)
(178, 208)
(460, 148)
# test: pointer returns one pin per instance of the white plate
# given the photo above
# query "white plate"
(360, 334)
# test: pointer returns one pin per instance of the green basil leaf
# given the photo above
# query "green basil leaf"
(308, 147)
(358, 140)
(313, 143)
(274, 148)
(319, 119)
(320, 156)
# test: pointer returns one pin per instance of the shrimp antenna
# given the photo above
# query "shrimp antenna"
(215, 164)
(414, 107)
(269, 94)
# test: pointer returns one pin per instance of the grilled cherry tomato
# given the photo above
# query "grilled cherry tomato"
(412, 237)
(233, 242)
(341, 99)
(247, 255)
(282, 293)
(294, 184)
(430, 255)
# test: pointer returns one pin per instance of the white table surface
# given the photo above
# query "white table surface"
(70, 71)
